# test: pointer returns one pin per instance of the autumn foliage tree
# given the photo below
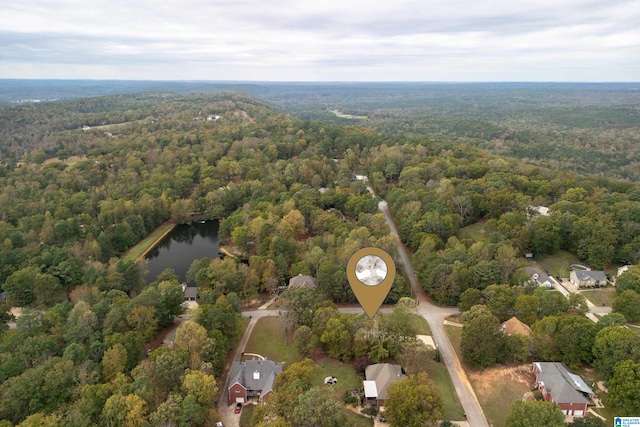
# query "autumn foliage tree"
(413, 402)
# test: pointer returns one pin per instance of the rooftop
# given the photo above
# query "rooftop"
(379, 377)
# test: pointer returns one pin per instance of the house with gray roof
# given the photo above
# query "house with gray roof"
(588, 278)
(252, 379)
(558, 385)
(378, 377)
(538, 277)
(190, 293)
(302, 281)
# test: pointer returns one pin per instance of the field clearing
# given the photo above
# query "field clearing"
(337, 113)
(111, 126)
(474, 232)
(71, 160)
(601, 297)
(497, 387)
(267, 339)
(559, 264)
(144, 245)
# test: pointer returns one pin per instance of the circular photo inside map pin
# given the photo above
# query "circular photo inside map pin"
(371, 270)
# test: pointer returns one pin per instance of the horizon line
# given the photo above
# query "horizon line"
(328, 81)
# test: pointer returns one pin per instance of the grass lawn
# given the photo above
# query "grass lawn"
(559, 264)
(455, 336)
(267, 339)
(142, 246)
(601, 297)
(608, 413)
(356, 420)
(420, 325)
(245, 416)
(444, 387)
(71, 160)
(344, 372)
(473, 232)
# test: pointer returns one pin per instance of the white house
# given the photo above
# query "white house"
(539, 277)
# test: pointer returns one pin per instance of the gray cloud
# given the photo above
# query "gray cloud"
(327, 40)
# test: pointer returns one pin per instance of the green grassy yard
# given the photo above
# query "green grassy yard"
(420, 325)
(455, 336)
(267, 339)
(559, 264)
(601, 297)
(344, 372)
(444, 387)
(356, 420)
(245, 416)
(473, 232)
(143, 245)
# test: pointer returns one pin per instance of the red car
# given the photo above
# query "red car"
(238, 408)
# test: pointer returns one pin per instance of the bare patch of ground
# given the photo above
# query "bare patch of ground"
(498, 387)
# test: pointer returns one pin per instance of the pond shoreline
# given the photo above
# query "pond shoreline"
(156, 241)
(146, 244)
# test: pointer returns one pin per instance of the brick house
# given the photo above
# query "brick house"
(588, 278)
(252, 379)
(558, 385)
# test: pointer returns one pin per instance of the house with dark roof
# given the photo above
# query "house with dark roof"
(514, 326)
(378, 377)
(538, 277)
(302, 281)
(190, 293)
(252, 379)
(558, 385)
(588, 278)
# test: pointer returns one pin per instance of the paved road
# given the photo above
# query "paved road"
(435, 316)
(567, 288)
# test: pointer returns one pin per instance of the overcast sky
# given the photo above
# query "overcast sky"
(322, 40)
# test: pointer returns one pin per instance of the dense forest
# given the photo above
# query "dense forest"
(82, 181)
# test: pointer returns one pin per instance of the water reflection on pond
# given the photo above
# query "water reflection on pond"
(179, 248)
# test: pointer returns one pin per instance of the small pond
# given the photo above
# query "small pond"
(185, 243)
